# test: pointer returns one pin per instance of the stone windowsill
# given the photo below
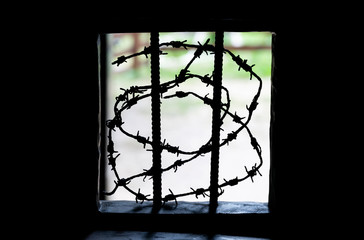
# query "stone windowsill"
(132, 207)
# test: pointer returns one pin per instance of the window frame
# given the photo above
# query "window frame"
(255, 224)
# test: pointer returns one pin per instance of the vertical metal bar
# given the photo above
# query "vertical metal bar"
(216, 121)
(156, 122)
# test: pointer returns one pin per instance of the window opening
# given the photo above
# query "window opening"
(186, 64)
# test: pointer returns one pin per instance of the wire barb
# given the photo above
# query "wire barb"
(142, 140)
(253, 172)
(178, 44)
(232, 182)
(141, 197)
(120, 60)
(202, 48)
(199, 191)
(170, 197)
(243, 64)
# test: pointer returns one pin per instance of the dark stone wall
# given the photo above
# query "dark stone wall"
(301, 130)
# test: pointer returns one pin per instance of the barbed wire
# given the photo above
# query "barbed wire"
(131, 96)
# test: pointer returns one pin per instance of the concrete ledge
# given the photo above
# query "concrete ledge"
(132, 207)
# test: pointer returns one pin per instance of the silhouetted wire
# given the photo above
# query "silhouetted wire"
(131, 96)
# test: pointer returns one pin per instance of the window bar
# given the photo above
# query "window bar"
(216, 122)
(156, 122)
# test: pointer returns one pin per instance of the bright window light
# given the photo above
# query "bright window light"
(186, 122)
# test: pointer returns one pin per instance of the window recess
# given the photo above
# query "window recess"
(184, 122)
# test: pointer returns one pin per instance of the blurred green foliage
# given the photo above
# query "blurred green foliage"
(177, 59)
